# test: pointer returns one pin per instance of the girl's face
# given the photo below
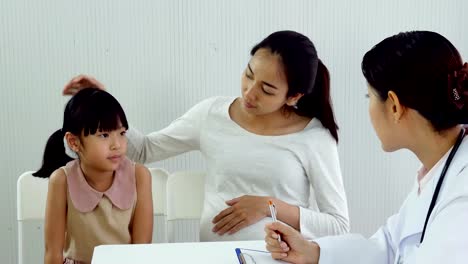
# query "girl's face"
(264, 85)
(104, 150)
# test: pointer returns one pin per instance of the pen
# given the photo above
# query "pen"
(240, 256)
(273, 215)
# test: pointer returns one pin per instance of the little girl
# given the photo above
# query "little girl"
(96, 195)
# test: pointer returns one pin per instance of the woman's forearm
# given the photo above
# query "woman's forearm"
(287, 213)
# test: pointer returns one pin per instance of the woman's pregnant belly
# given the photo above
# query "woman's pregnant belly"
(213, 205)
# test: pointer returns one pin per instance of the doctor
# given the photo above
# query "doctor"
(418, 97)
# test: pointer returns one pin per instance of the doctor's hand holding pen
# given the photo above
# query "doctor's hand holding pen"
(293, 248)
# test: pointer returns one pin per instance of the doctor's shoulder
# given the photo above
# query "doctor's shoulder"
(456, 184)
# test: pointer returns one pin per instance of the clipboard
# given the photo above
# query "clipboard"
(253, 256)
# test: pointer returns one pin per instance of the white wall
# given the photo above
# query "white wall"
(161, 57)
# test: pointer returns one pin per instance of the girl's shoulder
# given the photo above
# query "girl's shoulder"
(143, 180)
(142, 173)
(57, 188)
(58, 178)
(141, 170)
(134, 169)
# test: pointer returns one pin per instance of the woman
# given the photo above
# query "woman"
(418, 97)
(276, 142)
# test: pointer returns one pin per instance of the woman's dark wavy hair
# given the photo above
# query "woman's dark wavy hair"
(87, 112)
(305, 74)
(421, 68)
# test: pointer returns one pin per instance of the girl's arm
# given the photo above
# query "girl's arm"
(142, 226)
(55, 218)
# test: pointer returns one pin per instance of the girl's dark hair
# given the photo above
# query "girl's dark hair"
(305, 74)
(425, 71)
(87, 112)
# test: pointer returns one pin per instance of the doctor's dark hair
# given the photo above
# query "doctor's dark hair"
(305, 74)
(425, 71)
(88, 111)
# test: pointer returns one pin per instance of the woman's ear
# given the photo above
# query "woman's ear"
(292, 100)
(73, 141)
(397, 110)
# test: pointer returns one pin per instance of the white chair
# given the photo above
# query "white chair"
(185, 194)
(159, 180)
(31, 203)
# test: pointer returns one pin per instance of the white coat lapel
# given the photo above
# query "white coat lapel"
(417, 206)
(416, 209)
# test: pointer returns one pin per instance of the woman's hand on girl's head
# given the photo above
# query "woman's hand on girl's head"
(293, 248)
(242, 212)
(80, 82)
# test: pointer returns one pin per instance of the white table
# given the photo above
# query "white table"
(204, 252)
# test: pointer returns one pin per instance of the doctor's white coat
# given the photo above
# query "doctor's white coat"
(446, 237)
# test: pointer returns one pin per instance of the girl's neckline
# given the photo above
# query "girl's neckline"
(85, 198)
(91, 186)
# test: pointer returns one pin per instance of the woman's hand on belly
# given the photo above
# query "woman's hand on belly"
(242, 211)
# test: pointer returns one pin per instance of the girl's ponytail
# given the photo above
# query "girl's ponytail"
(54, 155)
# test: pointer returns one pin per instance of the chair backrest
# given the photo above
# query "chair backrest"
(185, 194)
(31, 202)
(159, 180)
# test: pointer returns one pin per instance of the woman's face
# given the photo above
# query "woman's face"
(264, 85)
(381, 120)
